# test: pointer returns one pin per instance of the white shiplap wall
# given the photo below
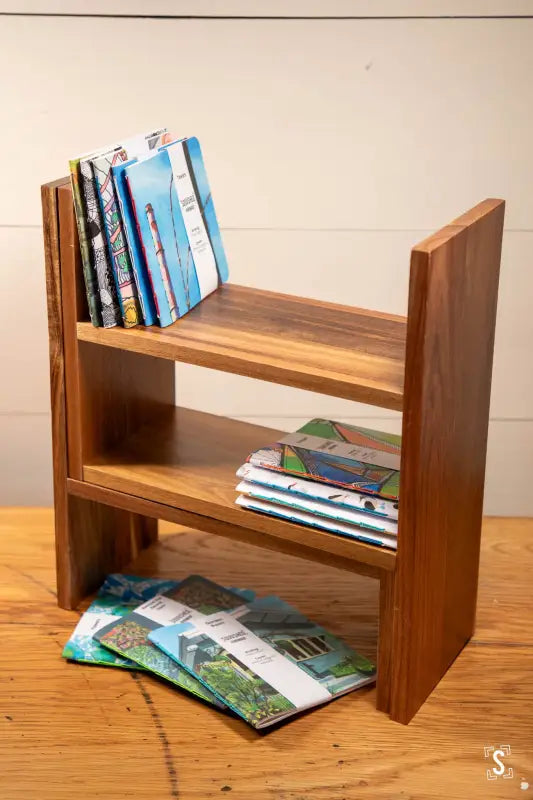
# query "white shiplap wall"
(332, 147)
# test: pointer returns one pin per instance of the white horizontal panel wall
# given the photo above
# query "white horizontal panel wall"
(273, 8)
(371, 124)
(332, 147)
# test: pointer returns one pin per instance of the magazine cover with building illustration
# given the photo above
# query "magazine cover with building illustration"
(266, 660)
(195, 596)
(342, 455)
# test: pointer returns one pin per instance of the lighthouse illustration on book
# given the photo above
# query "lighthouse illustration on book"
(163, 269)
(177, 227)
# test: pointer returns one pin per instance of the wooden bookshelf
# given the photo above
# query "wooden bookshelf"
(125, 456)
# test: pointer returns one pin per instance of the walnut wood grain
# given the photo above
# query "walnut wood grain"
(139, 737)
(331, 349)
(450, 337)
(187, 460)
(91, 539)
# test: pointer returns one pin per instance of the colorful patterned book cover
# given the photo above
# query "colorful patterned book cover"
(372, 505)
(111, 315)
(266, 660)
(118, 596)
(116, 242)
(136, 254)
(195, 596)
(339, 455)
(178, 229)
(89, 275)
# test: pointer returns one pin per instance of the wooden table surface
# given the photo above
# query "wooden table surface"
(69, 730)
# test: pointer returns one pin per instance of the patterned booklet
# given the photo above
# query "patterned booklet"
(117, 597)
(116, 243)
(372, 505)
(89, 273)
(194, 597)
(358, 459)
(178, 227)
(265, 660)
(314, 520)
(135, 251)
(311, 506)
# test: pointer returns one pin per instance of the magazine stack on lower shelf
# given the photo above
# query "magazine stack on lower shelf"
(328, 475)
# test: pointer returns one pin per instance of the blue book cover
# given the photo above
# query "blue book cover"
(137, 258)
(178, 228)
(265, 659)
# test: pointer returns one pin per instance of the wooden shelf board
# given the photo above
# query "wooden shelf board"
(188, 461)
(327, 348)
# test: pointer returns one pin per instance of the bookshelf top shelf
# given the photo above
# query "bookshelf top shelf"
(323, 347)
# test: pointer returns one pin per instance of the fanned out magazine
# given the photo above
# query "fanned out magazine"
(264, 660)
(191, 599)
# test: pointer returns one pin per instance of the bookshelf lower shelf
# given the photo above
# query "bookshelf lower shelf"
(184, 467)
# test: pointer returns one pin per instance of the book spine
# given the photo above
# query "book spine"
(118, 253)
(104, 274)
(138, 264)
(89, 274)
(141, 241)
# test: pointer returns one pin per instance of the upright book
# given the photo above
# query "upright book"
(178, 228)
(265, 660)
(116, 242)
(89, 273)
(135, 251)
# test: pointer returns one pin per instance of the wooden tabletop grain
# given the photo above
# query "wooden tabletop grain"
(77, 731)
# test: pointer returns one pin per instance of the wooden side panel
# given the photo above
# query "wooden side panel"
(450, 338)
(91, 539)
(110, 393)
(57, 386)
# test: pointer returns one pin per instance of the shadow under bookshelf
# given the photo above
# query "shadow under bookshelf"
(125, 456)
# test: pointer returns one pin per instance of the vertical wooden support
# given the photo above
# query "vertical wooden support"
(386, 617)
(450, 337)
(91, 539)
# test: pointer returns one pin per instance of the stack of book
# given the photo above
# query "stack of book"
(258, 657)
(328, 475)
(149, 237)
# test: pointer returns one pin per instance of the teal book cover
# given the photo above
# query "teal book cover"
(265, 660)
(358, 459)
(193, 597)
(117, 597)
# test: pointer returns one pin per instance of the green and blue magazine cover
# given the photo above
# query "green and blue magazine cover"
(178, 228)
(194, 597)
(347, 456)
(117, 597)
(265, 660)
